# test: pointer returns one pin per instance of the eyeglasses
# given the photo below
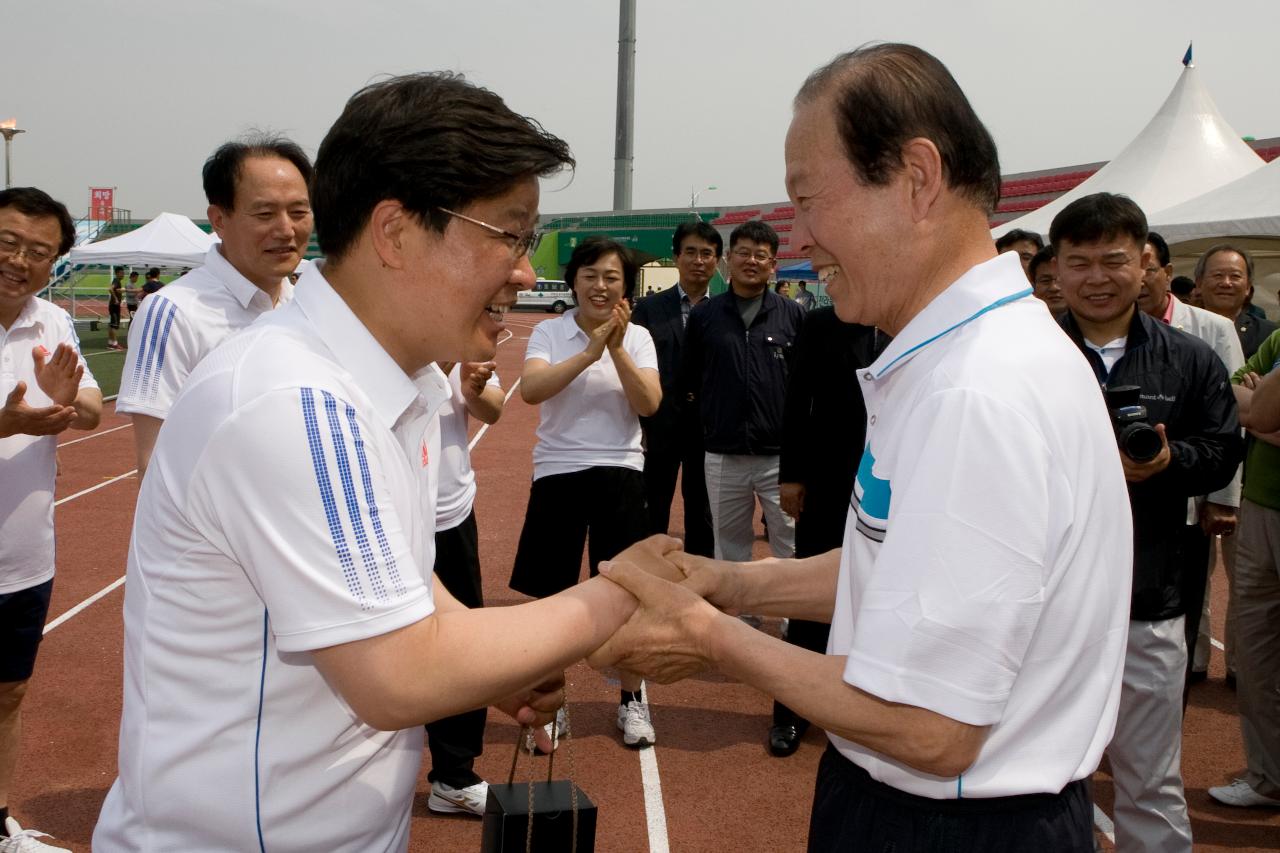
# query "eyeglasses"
(525, 244)
(761, 255)
(36, 254)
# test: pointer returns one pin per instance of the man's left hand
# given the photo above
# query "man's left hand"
(537, 707)
(1136, 472)
(475, 375)
(1218, 519)
(58, 375)
(665, 639)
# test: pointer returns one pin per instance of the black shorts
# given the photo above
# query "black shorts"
(133, 307)
(114, 316)
(852, 811)
(22, 616)
(602, 507)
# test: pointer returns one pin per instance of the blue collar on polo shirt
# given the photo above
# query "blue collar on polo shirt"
(985, 287)
(376, 373)
(235, 282)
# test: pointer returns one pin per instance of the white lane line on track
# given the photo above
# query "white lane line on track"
(93, 435)
(1104, 823)
(655, 815)
(1217, 644)
(101, 485)
(485, 427)
(82, 605)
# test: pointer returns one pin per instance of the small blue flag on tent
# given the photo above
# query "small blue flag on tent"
(1186, 59)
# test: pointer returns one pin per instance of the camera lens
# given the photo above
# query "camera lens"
(1140, 442)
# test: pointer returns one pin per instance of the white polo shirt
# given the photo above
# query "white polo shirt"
(179, 325)
(288, 507)
(590, 422)
(457, 480)
(28, 463)
(986, 566)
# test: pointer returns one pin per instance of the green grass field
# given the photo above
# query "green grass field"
(106, 364)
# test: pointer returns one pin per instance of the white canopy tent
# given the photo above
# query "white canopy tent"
(1246, 207)
(1186, 150)
(169, 240)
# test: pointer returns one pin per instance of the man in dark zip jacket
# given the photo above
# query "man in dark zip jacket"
(737, 354)
(1100, 243)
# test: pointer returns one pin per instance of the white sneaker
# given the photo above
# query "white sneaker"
(24, 840)
(447, 799)
(634, 722)
(1240, 793)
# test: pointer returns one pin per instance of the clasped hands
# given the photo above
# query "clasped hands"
(680, 597)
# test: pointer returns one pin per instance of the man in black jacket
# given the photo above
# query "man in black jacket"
(1099, 240)
(673, 436)
(737, 355)
(1224, 280)
(822, 413)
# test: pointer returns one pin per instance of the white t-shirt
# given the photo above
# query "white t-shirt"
(288, 507)
(589, 422)
(28, 463)
(179, 325)
(457, 480)
(986, 566)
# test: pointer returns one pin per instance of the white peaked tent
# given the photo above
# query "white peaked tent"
(1186, 150)
(169, 240)
(1246, 207)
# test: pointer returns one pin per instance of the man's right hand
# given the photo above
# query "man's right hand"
(19, 418)
(653, 555)
(791, 497)
(715, 580)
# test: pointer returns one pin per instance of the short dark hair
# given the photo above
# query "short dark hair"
(1045, 255)
(133, 273)
(594, 248)
(154, 272)
(117, 271)
(1017, 235)
(1218, 249)
(1182, 285)
(1099, 216)
(888, 94)
(225, 165)
(757, 232)
(36, 202)
(429, 141)
(696, 228)
(1161, 247)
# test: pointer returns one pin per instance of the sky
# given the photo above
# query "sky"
(134, 94)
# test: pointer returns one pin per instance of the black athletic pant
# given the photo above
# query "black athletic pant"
(456, 741)
(853, 812)
(1195, 573)
(665, 454)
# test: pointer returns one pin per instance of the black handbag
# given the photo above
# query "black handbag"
(539, 817)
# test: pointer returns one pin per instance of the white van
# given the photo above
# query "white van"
(547, 295)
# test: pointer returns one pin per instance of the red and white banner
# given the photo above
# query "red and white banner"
(101, 202)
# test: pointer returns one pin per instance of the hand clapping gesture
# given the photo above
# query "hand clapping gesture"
(475, 375)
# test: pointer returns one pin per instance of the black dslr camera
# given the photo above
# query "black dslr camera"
(1137, 438)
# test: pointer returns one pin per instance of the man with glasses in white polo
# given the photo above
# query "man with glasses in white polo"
(738, 351)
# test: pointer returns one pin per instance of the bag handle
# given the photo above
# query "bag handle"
(524, 737)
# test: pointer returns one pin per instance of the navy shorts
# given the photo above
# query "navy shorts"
(22, 616)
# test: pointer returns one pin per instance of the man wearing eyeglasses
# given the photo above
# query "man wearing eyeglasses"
(47, 388)
(738, 352)
(673, 436)
(258, 205)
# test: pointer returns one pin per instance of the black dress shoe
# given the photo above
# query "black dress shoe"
(784, 740)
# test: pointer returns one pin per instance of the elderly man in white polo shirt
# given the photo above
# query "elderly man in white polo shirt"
(979, 605)
(285, 640)
(258, 205)
(47, 388)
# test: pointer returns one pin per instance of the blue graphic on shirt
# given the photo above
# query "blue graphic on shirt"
(872, 496)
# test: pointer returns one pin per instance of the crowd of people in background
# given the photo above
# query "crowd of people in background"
(967, 562)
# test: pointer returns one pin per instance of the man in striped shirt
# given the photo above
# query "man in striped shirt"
(259, 207)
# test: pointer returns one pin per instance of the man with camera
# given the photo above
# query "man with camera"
(1179, 436)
